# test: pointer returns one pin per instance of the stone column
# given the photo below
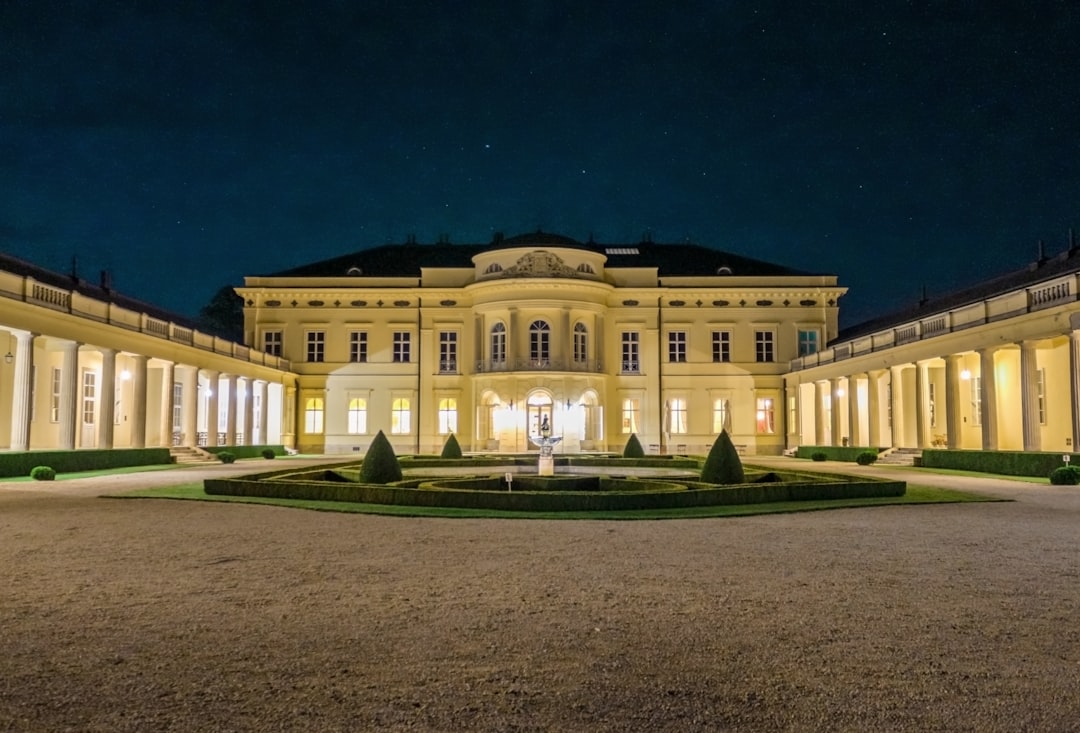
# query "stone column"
(288, 408)
(107, 408)
(821, 393)
(138, 402)
(1029, 396)
(230, 411)
(168, 377)
(836, 424)
(190, 412)
(1074, 380)
(988, 397)
(249, 411)
(953, 416)
(212, 427)
(69, 394)
(922, 404)
(896, 385)
(873, 404)
(853, 410)
(22, 391)
(264, 397)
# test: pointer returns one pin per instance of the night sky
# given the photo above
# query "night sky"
(183, 145)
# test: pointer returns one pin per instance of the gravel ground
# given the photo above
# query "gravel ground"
(153, 615)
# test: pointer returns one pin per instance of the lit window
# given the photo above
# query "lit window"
(766, 418)
(721, 346)
(272, 343)
(677, 346)
(447, 415)
(976, 400)
(678, 416)
(447, 352)
(808, 342)
(631, 363)
(89, 397)
(316, 345)
(1040, 391)
(498, 344)
(631, 411)
(400, 422)
(764, 340)
(358, 346)
(581, 343)
(402, 347)
(357, 416)
(54, 397)
(313, 415)
(720, 415)
(539, 342)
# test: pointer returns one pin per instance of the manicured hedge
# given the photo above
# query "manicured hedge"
(70, 461)
(1006, 463)
(833, 452)
(245, 451)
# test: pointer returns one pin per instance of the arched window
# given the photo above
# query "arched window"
(313, 415)
(585, 267)
(539, 342)
(493, 267)
(498, 344)
(357, 416)
(447, 415)
(581, 343)
(400, 417)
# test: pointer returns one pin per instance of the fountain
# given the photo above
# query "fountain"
(546, 463)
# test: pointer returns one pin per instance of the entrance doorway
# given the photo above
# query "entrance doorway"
(539, 410)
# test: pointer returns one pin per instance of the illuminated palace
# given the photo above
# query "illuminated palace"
(671, 342)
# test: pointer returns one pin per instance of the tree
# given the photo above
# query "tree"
(633, 448)
(380, 464)
(723, 465)
(224, 315)
(450, 448)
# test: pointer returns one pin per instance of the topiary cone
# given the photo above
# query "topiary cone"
(380, 464)
(723, 465)
(633, 448)
(450, 448)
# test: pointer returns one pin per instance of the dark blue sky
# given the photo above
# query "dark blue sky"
(184, 145)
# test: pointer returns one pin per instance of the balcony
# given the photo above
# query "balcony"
(538, 365)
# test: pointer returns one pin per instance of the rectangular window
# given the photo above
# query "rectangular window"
(316, 345)
(932, 397)
(447, 352)
(766, 417)
(793, 414)
(357, 416)
(765, 343)
(313, 415)
(630, 354)
(89, 397)
(177, 406)
(721, 416)
(402, 348)
(888, 407)
(1040, 391)
(358, 346)
(272, 342)
(447, 415)
(581, 343)
(677, 416)
(498, 344)
(976, 400)
(677, 346)
(400, 417)
(808, 342)
(631, 414)
(721, 346)
(118, 400)
(54, 396)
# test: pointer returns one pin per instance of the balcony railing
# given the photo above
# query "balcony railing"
(538, 365)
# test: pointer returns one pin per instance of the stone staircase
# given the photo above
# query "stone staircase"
(899, 457)
(187, 455)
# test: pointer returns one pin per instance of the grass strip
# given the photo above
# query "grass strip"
(916, 494)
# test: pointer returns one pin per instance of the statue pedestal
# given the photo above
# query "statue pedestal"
(546, 466)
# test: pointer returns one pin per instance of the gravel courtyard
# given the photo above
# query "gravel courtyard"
(154, 615)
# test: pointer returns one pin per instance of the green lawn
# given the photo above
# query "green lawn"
(915, 495)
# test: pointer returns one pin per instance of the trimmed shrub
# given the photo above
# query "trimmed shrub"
(380, 464)
(866, 458)
(835, 452)
(73, 461)
(44, 473)
(818, 456)
(245, 451)
(268, 453)
(226, 457)
(723, 465)
(1008, 463)
(1065, 476)
(633, 448)
(450, 448)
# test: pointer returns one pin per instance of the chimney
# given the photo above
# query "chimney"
(106, 280)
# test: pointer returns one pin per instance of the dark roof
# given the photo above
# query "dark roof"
(405, 260)
(77, 284)
(1046, 269)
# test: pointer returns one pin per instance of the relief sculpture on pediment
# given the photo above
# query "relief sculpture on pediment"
(540, 264)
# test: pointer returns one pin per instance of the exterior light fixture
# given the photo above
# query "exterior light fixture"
(9, 357)
(840, 392)
(125, 375)
(965, 374)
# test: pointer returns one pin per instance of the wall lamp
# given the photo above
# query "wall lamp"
(9, 357)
